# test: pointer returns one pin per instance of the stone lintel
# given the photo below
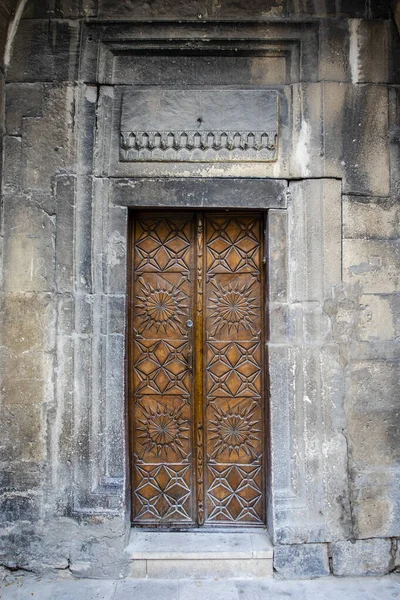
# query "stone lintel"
(200, 193)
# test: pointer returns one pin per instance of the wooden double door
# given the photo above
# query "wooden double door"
(196, 369)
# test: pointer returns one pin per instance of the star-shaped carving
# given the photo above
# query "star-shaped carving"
(234, 307)
(233, 369)
(159, 307)
(233, 245)
(161, 367)
(162, 244)
(163, 492)
(235, 493)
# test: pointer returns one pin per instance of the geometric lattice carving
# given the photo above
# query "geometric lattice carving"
(162, 493)
(233, 245)
(161, 356)
(234, 493)
(211, 458)
(161, 367)
(233, 369)
(162, 244)
(234, 382)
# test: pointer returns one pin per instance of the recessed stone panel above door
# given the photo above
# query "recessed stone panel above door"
(199, 125)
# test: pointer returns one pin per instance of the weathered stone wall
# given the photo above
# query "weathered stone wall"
(334, 263)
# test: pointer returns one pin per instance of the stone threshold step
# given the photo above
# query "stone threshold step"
(195, 545)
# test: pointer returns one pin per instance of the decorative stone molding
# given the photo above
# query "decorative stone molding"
(193, 145)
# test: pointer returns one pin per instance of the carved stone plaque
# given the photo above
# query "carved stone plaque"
(199, 125)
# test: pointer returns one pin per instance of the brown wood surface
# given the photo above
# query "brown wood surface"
(197, 392)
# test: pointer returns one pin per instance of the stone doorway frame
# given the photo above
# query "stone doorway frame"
(304, 265)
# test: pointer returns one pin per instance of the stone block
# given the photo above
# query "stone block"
(173, 545)
(192, 193)
(309, 451)
(361, 557)
(22, 431)
(49, 143)
(116, 315)
(379, 317)
(314, 247)
(117, 251)
(334, 50)
(138, 569)
(373, 46)
(372, 386)
(376, 502)
(28, 246)
(57, 44)
(203, 70)
(60, 9)
(83, 236)
(22, 100)
(15, 479)
(307, 150)
(373, 414)
(86, 127)
(374, 264)
(27, 377)
(115, 407)
(301, 561)
(370, 218)
(368, 56)
(161, 9)
(374, 439)
(256, 9)
(19, 507)
(144, 590)
(210, 569)
(28, 323)
(277, 255)
(336, 8)
(394, 141)
(65, 194)
(356, 134)
(12, 153)
(280, 324)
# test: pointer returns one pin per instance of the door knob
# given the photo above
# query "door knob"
(189, 323)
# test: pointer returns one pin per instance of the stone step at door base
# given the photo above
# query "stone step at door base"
(200, 555)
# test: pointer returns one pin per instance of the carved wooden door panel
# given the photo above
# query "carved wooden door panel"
(233, 386)
(196, 380)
